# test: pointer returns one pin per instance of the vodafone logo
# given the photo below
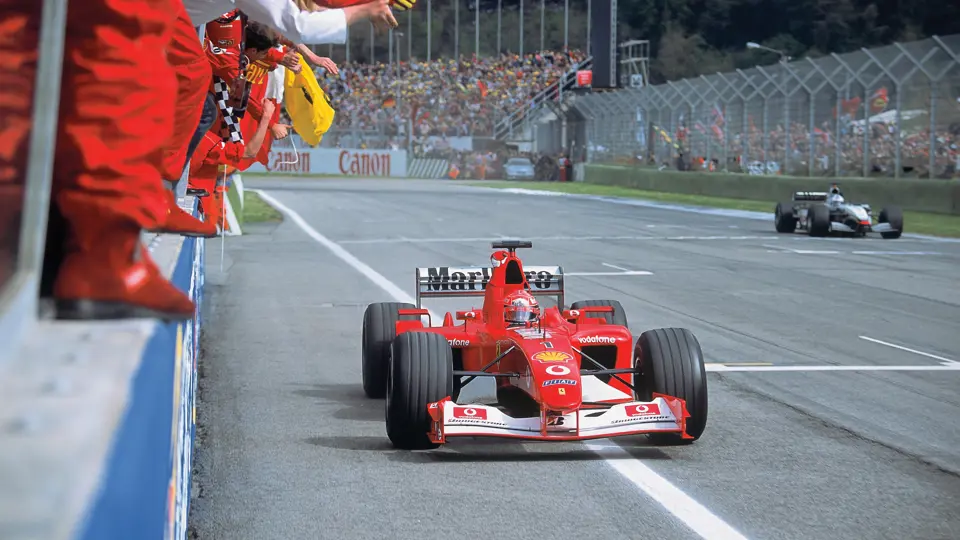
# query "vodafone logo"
(458, 342)
(648, 409)
(598, 339)
(558, 370)
(469, 412)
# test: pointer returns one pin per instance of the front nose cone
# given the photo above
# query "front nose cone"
(561, 394)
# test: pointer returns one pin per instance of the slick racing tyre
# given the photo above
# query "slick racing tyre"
(379, 329)
(669, 361)
(783, 218)
(618, 317)
(421, 372)
(894, 217)
(818, 220)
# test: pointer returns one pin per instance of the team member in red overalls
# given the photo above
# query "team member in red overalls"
(224, 143)
(117, 94)
(257, 75)
(194, 78)
(19, 34)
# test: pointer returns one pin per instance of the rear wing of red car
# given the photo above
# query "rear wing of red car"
(462, 281)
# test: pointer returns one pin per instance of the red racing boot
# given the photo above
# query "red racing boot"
(179, 221)
(212, 207)
(107, 273)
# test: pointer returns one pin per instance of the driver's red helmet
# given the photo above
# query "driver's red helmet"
(520, 307)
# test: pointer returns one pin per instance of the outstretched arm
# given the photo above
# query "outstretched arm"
(320, 61)
(253, 147)
(316, 27)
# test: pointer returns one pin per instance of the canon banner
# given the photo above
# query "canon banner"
(338, 161)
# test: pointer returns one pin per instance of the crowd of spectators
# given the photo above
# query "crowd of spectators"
(749, 151)
(443, 97)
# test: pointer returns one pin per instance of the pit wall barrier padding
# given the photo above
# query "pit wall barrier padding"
(145, 488)
(920, 195)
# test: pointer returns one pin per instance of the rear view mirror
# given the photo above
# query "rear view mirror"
(583, 313)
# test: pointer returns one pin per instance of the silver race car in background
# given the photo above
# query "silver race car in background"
(823, 213)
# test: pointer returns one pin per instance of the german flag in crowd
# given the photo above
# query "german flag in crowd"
(389, 103)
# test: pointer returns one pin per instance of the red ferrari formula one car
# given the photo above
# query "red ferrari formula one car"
(562, 374)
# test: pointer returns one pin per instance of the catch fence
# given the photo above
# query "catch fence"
(892, 111)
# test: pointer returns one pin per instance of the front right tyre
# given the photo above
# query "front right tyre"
(783, 218)
(894, 217)
(818, 220)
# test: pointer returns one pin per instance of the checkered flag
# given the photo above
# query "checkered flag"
(231, 123)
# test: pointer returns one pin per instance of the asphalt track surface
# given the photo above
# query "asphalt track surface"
(290, 448)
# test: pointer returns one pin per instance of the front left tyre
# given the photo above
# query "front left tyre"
(420, 373)
(670, 361)
(379, 329)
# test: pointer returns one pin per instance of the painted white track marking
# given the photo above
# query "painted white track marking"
(615, 267)
(696, 516)
(828, 367)
(702, 210)
(467, 240)
(678, 503)
(944, 361)
(627, 273)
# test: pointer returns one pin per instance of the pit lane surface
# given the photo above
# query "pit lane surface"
(290, 448)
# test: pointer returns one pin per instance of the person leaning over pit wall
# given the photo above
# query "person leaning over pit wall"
(106, 180)
(115, 122)
(194, 78)
(185, 54)
(224, 145)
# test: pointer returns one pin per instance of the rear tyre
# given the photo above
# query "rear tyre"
(818, 220)
(783, 218)
(421, 372)
(379, 329)
(669, 361)
(894, 217)
(618, 317)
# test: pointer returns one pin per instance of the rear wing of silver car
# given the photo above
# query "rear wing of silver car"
(810, 196)
(463, 281)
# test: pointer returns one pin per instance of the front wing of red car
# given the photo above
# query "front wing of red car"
(665, 414)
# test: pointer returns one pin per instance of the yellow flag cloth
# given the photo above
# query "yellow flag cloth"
(307, 104)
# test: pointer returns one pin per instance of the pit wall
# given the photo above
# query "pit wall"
(920, 195)
(145, 485)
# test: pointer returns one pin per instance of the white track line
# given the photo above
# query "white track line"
(722, 368)
(696, 516)
(802, 251)
(615, 267)
(468, 240)
(944, 361)
(678, 503)
(678, 207)
(358, 265)
(896, 253)
(627, 273)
